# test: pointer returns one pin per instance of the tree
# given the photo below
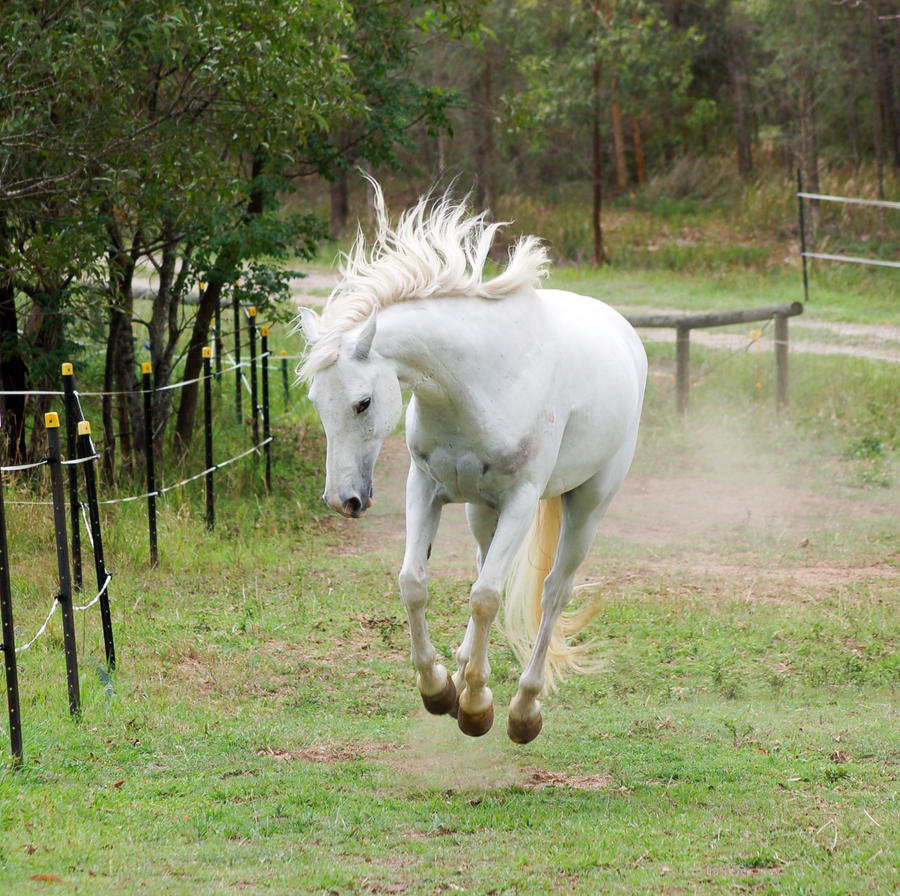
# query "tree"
(583, 59)
(129, 133)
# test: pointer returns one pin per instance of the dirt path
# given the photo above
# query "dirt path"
(675, 524)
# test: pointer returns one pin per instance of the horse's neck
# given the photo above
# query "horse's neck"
(442, 345)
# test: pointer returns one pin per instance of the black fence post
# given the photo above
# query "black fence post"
(87, 453)
(254, 401)
(264, 350)
(284, 378)
(9, 641)
(73, 416)
(208, 438)
(219, 342)
(147, 387)
(51, 422)
(237, 355)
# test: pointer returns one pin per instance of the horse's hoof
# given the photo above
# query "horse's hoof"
(524, 732)
(476, 724)
(444, 703)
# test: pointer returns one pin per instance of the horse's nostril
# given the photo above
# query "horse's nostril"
(352, 507)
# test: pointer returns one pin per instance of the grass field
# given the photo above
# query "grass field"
(263, 732)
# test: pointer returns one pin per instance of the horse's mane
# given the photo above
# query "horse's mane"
(436, 249)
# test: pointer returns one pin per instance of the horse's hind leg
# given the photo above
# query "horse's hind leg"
(423, 513)
(583, 509)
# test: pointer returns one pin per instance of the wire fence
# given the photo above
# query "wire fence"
(82, 456)
(807, 252)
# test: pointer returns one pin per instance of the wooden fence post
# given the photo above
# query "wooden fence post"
(684, 322)
(781, 361)
(682, 366)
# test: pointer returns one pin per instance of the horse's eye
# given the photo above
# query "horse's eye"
(362, 406)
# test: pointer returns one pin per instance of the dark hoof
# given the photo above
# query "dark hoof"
(444, 703)
(475, 725)
(524, 732)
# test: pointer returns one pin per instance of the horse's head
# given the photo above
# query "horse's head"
(358, 399)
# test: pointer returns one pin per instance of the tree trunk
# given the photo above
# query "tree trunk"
(600, 256)
(340, 204)
(119, 372)
(619, 142)
(13, 376)
(222, 273)
(737, 69)
(44, 333)
(193, 362)
(484, 147)
(441, 137)
(163, 328)
(639, 161)
(877, 113)
(809, 151)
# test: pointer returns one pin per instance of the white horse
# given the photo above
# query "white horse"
(525, 406)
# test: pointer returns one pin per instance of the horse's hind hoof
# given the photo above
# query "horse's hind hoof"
(524, 732)
(444, 703)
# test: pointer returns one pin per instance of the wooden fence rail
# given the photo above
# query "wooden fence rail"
(685, 321)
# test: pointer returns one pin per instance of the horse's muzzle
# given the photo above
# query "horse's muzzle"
(351, 506)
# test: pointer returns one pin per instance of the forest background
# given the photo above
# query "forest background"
(214, 146)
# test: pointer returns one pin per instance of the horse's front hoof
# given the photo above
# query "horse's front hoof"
(524, 731)
(444, 703)
(476, 724)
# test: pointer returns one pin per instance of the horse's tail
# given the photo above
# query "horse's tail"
(522, 608)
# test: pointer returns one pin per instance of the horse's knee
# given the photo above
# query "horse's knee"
(484, 603)
(413, 589)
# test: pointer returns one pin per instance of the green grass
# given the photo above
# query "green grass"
(729, 743)
(263, 734)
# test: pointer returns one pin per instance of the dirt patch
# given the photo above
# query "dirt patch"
(654, 517)
(539, 780)
(329, 752)
(478, 768)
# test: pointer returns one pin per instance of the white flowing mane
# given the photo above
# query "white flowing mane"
(436, 249)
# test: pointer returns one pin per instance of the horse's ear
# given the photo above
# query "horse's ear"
(309, 325)
(364, 341)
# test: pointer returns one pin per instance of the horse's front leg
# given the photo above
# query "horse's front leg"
(476, 709)
(482, 523)
(423, 513)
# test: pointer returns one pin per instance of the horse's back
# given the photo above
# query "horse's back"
(591, 321)
(598, 346)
